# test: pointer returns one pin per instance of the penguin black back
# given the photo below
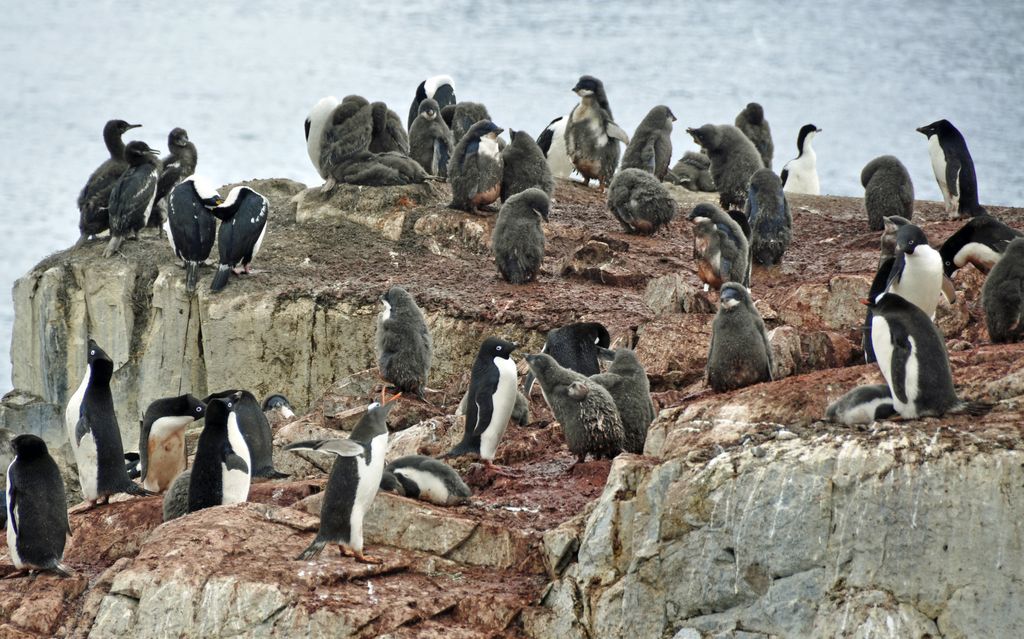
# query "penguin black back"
(243, 217)
(524, 166)
(255, 429)
(99, 419)
(981, 241)
(518, 238)
(191, 226)
(577, 346)
(221, 455)
(492, 397)
(37, 518)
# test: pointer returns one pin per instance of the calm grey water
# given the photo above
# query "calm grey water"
(241, 76)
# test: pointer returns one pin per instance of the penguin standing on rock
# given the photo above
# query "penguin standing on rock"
(720, 247)
(651, 147)
(639, 202)
(518, 238)
(575, 346)
(524, 167)
(475, 168)
(626, 381)
(132, 197)
(916, 273)
(439, 88)
(1003, 295)
(982, 242)
(243, 216)
(94, 199)
(770, 221)
(320, 116)
(430, 140)
(179, 165)
(692, 172)
(733, 160)
(387, 134)
(255, 428)
(191, 227)
(222, 470)
(888, 190)
(862, 405)
(751, 121)
(591, 136)
(492, 396)
(552, 144)
(953, 167)
(739, 354)
(404, 344)
(162, 439)
(428, 479)
(800, 175)
(37, 517)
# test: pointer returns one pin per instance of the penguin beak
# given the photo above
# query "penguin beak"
(134, 126)
(922, 129)
(817, 130)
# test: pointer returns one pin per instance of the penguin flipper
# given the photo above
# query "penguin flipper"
(784, 175)
(232, 461)
(616, 132)
(953, 176)
(339, 447)
(81, 429)
(12, 506)
(901, 352)
(484, 409)
(896, 271)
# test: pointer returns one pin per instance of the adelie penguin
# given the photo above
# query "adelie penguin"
(771, 223)
(463, 116)
(440, 89)
(222, 471)
(476, 167)
(639, 202)
(733, 160)
(524, 167)
(280, 404)
(751, 121)
(720, 247)
(132, 197)
(740, 354)
(577, 346)
(94, 434)
(427, 479)
(492, 396)
(243, 216)
(430, 140)
(255, 429)
(626, 381)
(1003, 295)
(862, 405)
(518, 238)
(352, 485)
(591, 136)
(162, 439)
(692, 172)
(953, 167)
(387, 134)
(191, 228)
(800, 175)
(982, 242)
(404, 344)
(179, 165)
(37, 516)
(888, 191)
(552, 144)
(651, 146)
(94, 199)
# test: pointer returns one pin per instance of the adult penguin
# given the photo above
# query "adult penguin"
(243, 216)
(953, 167)
(578, 347)
(162, 453)
(439, 88)
(94, 198)
(981, 242)
(191, 227)
(222, 470)
(255, 429)
(37, 517)
(492, 392)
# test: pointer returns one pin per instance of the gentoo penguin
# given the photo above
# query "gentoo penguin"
(191, 227)
(279, 403)
(524, 167)
(37, 516)
(651, 146)
(733, 160)
(162, 439)
(180, 164)
(720, 246)
(387, 134)
(591, 136)
(439, 88)
(243, 216)
(953, 167)
(131, 198)
(739, 354)
(552, 143)
(888, 190)
(627, 383)
(768, 215)
(981, 242)
(890, 228)
(94, 199)
(464, 116)
(576, 347)
(428, 479)
(800, 175)
(352, 485)
(404, 345)
(316, 123)
(583, 407)
(255, 429)
(222, 470)
(1003, 295)
(492, 392)
(862, 405)
(518, 238)
(475, 168)
(639, 202)
(692, 172)
(95, 437)
(430, 140)
(751, 121)
(916, 274)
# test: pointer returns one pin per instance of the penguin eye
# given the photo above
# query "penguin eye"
(199, 409)
(230, 404)
(497, 348)
(92, 352)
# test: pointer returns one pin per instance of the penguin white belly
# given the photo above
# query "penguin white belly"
(881, 342)
(431, 487)
(939, 167)
(318, 117)
(502, 403)
(12, 521)
(909, 408)
(921, 283)
(863, 413)
(981, 255)
(88, 466)
(558, 155)
(235, 482)
(367, 487)
(489, 147)
(74, 409)
(803, 174)
(259, 242)
(170, 236)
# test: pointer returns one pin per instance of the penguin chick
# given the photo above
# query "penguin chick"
(492, 392)
(175, 502)
(132, 196)
(981, 242)
(94, 198)
(440, 89)
(639, 202)
(739, 354)
(524, 167)
(591, 136)
(626, 381)
(953, 167)
(380, 169)
(862, 405)
(255, 429)
(404, 344)
(428, 479)
(430, 140)
(243, 216)
(751, 121)
(475, 168)
(390, 484)
(1003, 295)
(583, 407)
(518, 238)
(768, 215)
(464, 116)
(651, 146)
(347, 132)
(720, 246)
(191, 227)
(387, 133)
(733, 160)
(692, 172)
(37, 517)
(888, 190)
(316, 122)
(552, 144)
(162, 439)
(887, 244)
(800, 175)
(174, 168)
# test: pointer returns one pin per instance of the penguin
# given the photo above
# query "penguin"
(981, 242)
(639, 202)
(405, 347)
(464, 116)
(693, 172)
(175, 502)
(243, 215)
(316, 122)
(890, 228)
(132, 196)
(222, 470)
(524, 166)
(162, 439)
(888, 190)
(380, 169)
(800, 175)
(916, 274)
(133, 464)
(492, 392)
(651, 146)
(575, 346)
(583, 407)
(877, 288)
(279, 403)
(190, 226)
(387, 133)
(352, 485)
(94, 198)
(552, 144)
(475, 168)
(390, 484)
(768, 216)
(255, 430)
(627, 383)
(1003, 295)
(720, 247)
(439, 88)
(739, 354)
(953, 167)
(733, 160)
(179, 165)
(520, 412)
(37, 517)
(518, 238)
(430, 140)
(751, 121)
(591, 135)
(428, 479)
(862, 405)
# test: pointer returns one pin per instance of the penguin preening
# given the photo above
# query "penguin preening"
(1003, 295)
(651, 147)
(981, 241)
(428, 479)
(720, 246)
(475, 168)
(316, 122)
(36, 508)
(862, 405)
(162, 439)
(739, 354)
(243, 215)
(464, 115)
(404, 343)
(627, 383)
(769, 218)
(518, 237)
(492, 396)
(524, 167)
(132, 196)
(576, 346)
(692, 172)
(387, 133)
(751, 121)
(430, 140)
(800, 175)
(440, 88)
(191, 227)
(552, 143)
(591, 136)
(179, 165)
(222, 470)
(733, 160)
(639, 202)
(888, 190)
(94, 198)
(953, 167)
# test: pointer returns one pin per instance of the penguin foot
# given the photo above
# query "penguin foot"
(346, 551)
(366, 559)
(88, 504)
(328, 186)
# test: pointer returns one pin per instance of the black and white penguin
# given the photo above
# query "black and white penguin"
(255, 428)
(440, 88)
(520, 412)
(518, 237)
(1003, 295)
(387, 134)
(591, 135)
(739, 354)
(693, 172)
(639, 201)
(405, 347)
(428, 479)
(720, 247)
(179, 165)
(492, 392)
(94, 434)
(916, 274)
(626, 381)
(94, 198)
(751, 121)
(463, 116)
(651, 146)
(162, 439)
(279, 403)
(953, 167)
(132, 197)
(191, 228)
(37, 516)
(243, 216)
(475, 168)
(768, 216)
(982, 242)
(352, 485)
(552, 143)
(888, 190)
(862, 405)
(524, 167)
(222, 470)
(317, 121)
(577, 347)
(800, 175)
(430, 140)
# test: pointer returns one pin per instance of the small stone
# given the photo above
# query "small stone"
(784, 434)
